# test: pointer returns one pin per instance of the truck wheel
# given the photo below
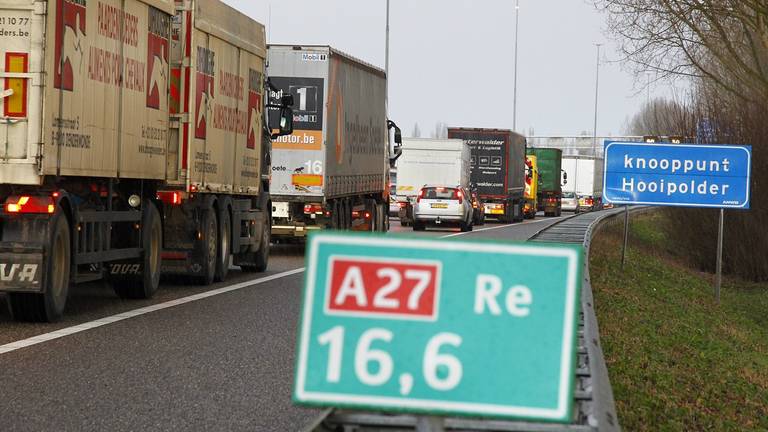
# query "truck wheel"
(209, 247)
(223, 257)
(257, 262)
(466, 226)
(49, 306)
(346, 215)
(145, 286)
(418, 226)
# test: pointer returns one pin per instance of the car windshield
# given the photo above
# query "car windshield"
(439, 193)
(569, 195)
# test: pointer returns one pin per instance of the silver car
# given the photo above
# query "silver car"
(570, 201)
(438, 205)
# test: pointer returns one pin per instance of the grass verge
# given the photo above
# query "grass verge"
(677, 360)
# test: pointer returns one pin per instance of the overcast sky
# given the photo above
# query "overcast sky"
(452, 61)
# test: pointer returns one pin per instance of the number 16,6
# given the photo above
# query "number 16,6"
(442, 372)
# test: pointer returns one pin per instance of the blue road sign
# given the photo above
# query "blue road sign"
(716, 176)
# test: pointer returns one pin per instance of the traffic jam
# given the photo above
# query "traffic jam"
(252, 222)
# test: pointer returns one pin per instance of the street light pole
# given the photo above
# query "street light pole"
(386, 64)
(514, 97)
(597, 88)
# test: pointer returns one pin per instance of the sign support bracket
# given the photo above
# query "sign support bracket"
(430, 424)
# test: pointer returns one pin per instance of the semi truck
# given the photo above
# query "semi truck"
(531, 187)
(133, 143)
(497, 160)
(333, 171)
(429, 161)
(550, 193)
(585, 179)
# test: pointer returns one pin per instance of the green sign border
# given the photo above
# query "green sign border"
(563, 413)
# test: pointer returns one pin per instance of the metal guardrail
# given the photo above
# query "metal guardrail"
(594, 407)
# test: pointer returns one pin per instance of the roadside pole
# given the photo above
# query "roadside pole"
(626, 236)
(430, 424)
(719, 275)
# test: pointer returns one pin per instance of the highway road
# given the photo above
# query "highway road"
(214, 358)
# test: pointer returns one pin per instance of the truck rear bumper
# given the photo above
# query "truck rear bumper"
(293, 231)
(21, 268)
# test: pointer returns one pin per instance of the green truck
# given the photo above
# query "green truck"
(550, 179)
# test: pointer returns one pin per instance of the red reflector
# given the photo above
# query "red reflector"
(171, 197)
(313, 208)
(30, 204)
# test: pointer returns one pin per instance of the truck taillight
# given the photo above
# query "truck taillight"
(313, 209)
(459, 196)
(171, 198)
(589, 201)
(16, 103)
(421, 195)
(30, 204)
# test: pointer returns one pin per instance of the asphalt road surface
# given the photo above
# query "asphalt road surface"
(193, 358)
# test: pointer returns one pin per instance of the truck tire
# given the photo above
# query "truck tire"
(145, 285)
(418, 226)
(208, 247)
(48, 306)
(223, 257)
(257, 262)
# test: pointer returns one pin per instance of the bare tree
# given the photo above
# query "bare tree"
(416, 133)
(441, 131)
(723, 41)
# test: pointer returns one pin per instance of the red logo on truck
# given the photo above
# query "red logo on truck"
(157, 59)
(70, 39)
(204, 98)
(383, 288)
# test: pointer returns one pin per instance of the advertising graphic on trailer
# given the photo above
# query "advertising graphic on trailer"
(70, 36)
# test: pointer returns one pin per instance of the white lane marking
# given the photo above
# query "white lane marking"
(46, 337)
(503, 226)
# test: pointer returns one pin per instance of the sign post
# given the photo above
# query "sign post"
(436, 327)
(679, 175)
(719, 269)
(626, 237)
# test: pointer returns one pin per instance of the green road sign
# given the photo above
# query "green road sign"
(439, 326)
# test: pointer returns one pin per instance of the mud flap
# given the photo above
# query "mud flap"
(22, 271)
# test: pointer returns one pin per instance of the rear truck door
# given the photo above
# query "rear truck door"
(22, 31)
(298, 160)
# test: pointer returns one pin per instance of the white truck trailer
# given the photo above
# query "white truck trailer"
(333, 172)
(429, 161)
(132, 142)
(585, 179)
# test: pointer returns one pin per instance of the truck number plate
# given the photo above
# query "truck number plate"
(21, 272)
(439, 206)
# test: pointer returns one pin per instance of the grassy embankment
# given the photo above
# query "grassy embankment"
(677, 360)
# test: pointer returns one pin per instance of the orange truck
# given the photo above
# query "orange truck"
(133, 141)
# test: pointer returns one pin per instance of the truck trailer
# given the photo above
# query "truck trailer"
(585, 179)
(497, 170)
(333, 171)
(550, 194)
(531, 187)
(133, 143)
(429, 161)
